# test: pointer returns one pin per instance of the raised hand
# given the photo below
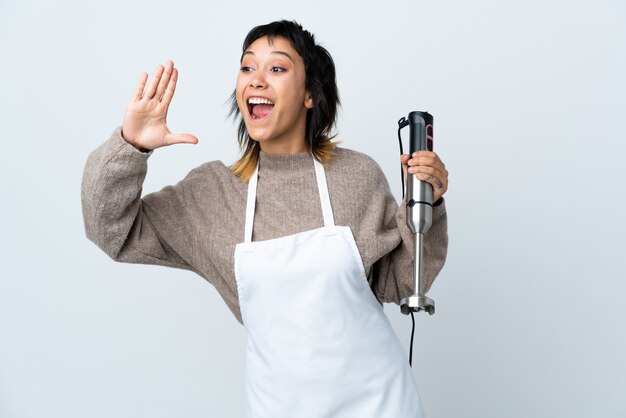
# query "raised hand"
(145, 125)
(427, 166)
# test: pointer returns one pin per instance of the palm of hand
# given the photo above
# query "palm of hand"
(145, 125)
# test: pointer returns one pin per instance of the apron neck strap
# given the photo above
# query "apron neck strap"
(250, 203)
(322, 187)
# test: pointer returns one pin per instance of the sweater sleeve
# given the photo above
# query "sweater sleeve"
(392, 274)
(152, 230)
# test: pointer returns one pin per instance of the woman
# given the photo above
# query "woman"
(302, 239)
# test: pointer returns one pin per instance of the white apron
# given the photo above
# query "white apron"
(318, 342)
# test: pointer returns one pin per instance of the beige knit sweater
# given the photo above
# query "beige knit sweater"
(196, 223)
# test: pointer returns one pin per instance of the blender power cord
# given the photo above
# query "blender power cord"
(401, 123)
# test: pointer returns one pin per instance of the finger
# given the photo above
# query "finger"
(171, 139)
(153, 83)
(439, 187)
(424, 153)
(434, 171)
(429, 155)
(438, 178)
(140, 86)
(427, 160)
(171, 87)
(404, 158)
(165, 79)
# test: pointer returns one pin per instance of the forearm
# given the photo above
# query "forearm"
(114, 214)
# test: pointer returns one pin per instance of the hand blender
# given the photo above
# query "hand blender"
(419, 207)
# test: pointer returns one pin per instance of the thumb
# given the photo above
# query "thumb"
(404, 160)
(180, 139)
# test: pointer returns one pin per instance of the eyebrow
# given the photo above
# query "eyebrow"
(273, 52)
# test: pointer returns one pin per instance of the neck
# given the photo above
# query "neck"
(280, 147)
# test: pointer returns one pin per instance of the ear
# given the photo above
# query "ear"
(308, 100)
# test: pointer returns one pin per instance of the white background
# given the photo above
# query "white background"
(528, 98)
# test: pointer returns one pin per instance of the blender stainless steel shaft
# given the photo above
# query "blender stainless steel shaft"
(419, 209)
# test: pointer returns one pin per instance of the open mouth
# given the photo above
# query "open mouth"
(259, 107)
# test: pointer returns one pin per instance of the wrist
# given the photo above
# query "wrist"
(138, 148)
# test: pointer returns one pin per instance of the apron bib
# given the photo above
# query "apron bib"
(318, 342)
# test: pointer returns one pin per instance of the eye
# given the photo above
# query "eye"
(245, 69)
(277, 69)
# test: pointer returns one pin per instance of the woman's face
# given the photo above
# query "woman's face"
(271, 95)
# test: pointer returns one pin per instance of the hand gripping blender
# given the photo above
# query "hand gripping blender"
(419, 207)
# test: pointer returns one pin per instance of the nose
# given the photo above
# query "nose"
(258, 80)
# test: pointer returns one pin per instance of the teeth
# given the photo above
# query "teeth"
(259, 100)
